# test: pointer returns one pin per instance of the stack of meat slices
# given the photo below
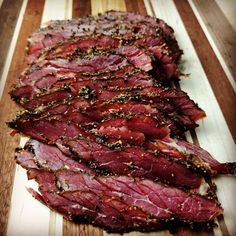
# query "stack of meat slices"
(110, 148)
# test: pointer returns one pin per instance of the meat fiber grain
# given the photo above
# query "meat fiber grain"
(121, 203)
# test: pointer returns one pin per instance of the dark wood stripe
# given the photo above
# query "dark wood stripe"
(31, 22)
(194, 137)
(81, 8)
(222, 225)
(189, 232)
(222, 32)
(136, 6)
(9, 13)
(73, 229)
(220, 84)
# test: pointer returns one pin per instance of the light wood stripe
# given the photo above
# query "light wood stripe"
(223, 44)
(228, 8)
(50, 13)
(27, 215)
(100, 6)
(148, 7)
(30, 22)
(68, 9)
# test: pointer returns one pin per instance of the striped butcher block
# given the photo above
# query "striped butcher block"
(209, 58)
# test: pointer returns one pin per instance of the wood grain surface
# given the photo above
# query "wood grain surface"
(209, 85)
(225, 41)
(8, 20)
(81, 8)
(222, 88)
(136, 6)
(8, 110)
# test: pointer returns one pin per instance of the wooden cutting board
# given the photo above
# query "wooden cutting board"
(20, 214)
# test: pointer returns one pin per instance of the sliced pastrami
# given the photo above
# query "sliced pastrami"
(48, 75)
(160, 197)
(48, 131)
(148, 33)
(48, 81)
(193, 154)
(107, 110)
(133, 130)
(102, 62)
(169, 100)
(114, 137)
(134, 160)
(111, 214)
(220, 168)
(173, 104)
(68, 48)
(37, 155)
(120, 203)
(47, 100)
(109, 22)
